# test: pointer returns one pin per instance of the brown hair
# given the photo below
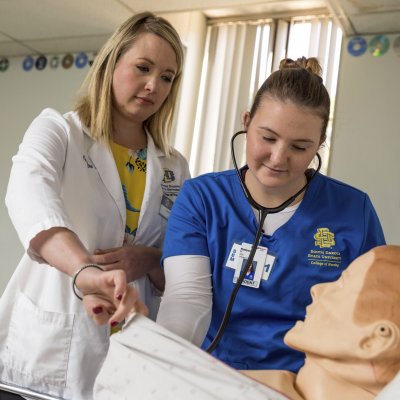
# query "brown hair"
(94, 105)
(379, 299)
(380, 294)
(300, 82)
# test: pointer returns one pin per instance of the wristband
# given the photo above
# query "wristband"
(74, 287)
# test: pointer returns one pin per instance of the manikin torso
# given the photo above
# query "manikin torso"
(315, 382)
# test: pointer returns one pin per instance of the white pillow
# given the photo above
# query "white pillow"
(391, 391)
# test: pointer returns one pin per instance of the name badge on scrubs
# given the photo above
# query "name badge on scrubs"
(255, 270)
(166, 206)
(269, 262)
(261, 266)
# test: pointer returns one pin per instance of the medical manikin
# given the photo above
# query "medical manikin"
(351, 338)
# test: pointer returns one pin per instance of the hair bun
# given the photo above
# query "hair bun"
(309, 64)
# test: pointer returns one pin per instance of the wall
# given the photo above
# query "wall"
(365, 147)
(366, 140)
(25, 94)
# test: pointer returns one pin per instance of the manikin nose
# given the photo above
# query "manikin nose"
(317, 290)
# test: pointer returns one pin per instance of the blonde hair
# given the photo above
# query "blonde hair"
(298, 81)
(94, 104)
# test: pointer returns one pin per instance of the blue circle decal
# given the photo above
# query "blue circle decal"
(357, 46)
(81, 60)
(27, 64)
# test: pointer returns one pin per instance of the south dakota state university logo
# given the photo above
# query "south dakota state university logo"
(322, 255)
(169, 176)
(324, 238)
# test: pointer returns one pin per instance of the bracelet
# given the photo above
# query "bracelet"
(74, 287)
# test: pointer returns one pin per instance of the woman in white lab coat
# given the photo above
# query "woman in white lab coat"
(69, 197)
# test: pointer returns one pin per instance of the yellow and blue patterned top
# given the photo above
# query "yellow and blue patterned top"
(131, 165)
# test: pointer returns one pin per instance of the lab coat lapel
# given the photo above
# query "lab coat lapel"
(103, 160)
(154, 175)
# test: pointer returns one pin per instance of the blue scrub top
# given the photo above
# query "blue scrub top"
(333, 225)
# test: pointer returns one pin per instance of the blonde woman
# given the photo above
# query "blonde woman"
(89, 194)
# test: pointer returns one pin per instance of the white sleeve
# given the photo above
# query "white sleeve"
(187, 302)
(33, 194)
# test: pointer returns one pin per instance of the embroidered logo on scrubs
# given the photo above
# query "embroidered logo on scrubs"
(325, 256)
(169, 176)
(324, 238)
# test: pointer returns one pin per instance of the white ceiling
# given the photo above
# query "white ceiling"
(54, 26)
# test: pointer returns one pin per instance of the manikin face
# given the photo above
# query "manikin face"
(329, 328)
(282, 140)
(143, 77)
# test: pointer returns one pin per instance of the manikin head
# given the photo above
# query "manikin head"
(355, 321)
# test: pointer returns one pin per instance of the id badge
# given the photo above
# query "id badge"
(255, 270)
(269, 262)
(165, 207)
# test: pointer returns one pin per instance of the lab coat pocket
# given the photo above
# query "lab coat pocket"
(38, 343)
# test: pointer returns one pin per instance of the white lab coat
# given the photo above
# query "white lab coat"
(61, 177)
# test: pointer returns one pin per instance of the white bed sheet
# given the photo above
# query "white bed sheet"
(146, 361)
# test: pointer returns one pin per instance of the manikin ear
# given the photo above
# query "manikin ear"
(246, 120)
(380, 337)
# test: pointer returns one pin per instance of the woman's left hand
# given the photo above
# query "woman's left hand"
(136, 261)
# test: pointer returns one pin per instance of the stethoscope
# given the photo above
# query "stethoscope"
(263, 212)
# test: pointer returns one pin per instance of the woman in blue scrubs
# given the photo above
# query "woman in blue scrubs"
(212, 227)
